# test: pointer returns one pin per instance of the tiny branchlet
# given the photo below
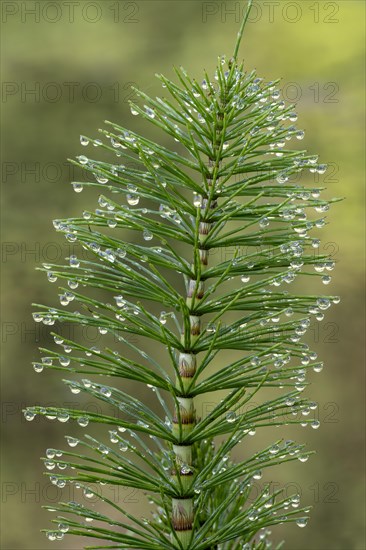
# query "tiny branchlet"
(185, 270)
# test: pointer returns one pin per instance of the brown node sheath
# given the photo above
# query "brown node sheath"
(187, 365)
(203, 256)
(204, 228)
(182, 514)
(194, 286)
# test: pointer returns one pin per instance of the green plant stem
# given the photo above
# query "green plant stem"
(241, 30)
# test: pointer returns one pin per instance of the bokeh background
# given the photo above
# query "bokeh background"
(66, 67)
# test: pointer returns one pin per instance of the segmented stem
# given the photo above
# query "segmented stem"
(185, 419)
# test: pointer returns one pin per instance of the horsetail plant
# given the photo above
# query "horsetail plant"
(207, 312)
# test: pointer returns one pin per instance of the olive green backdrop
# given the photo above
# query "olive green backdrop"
(67, 66)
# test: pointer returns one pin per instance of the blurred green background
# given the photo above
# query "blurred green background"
(67, 66)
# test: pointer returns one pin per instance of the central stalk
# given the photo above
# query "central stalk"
(185, 414)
